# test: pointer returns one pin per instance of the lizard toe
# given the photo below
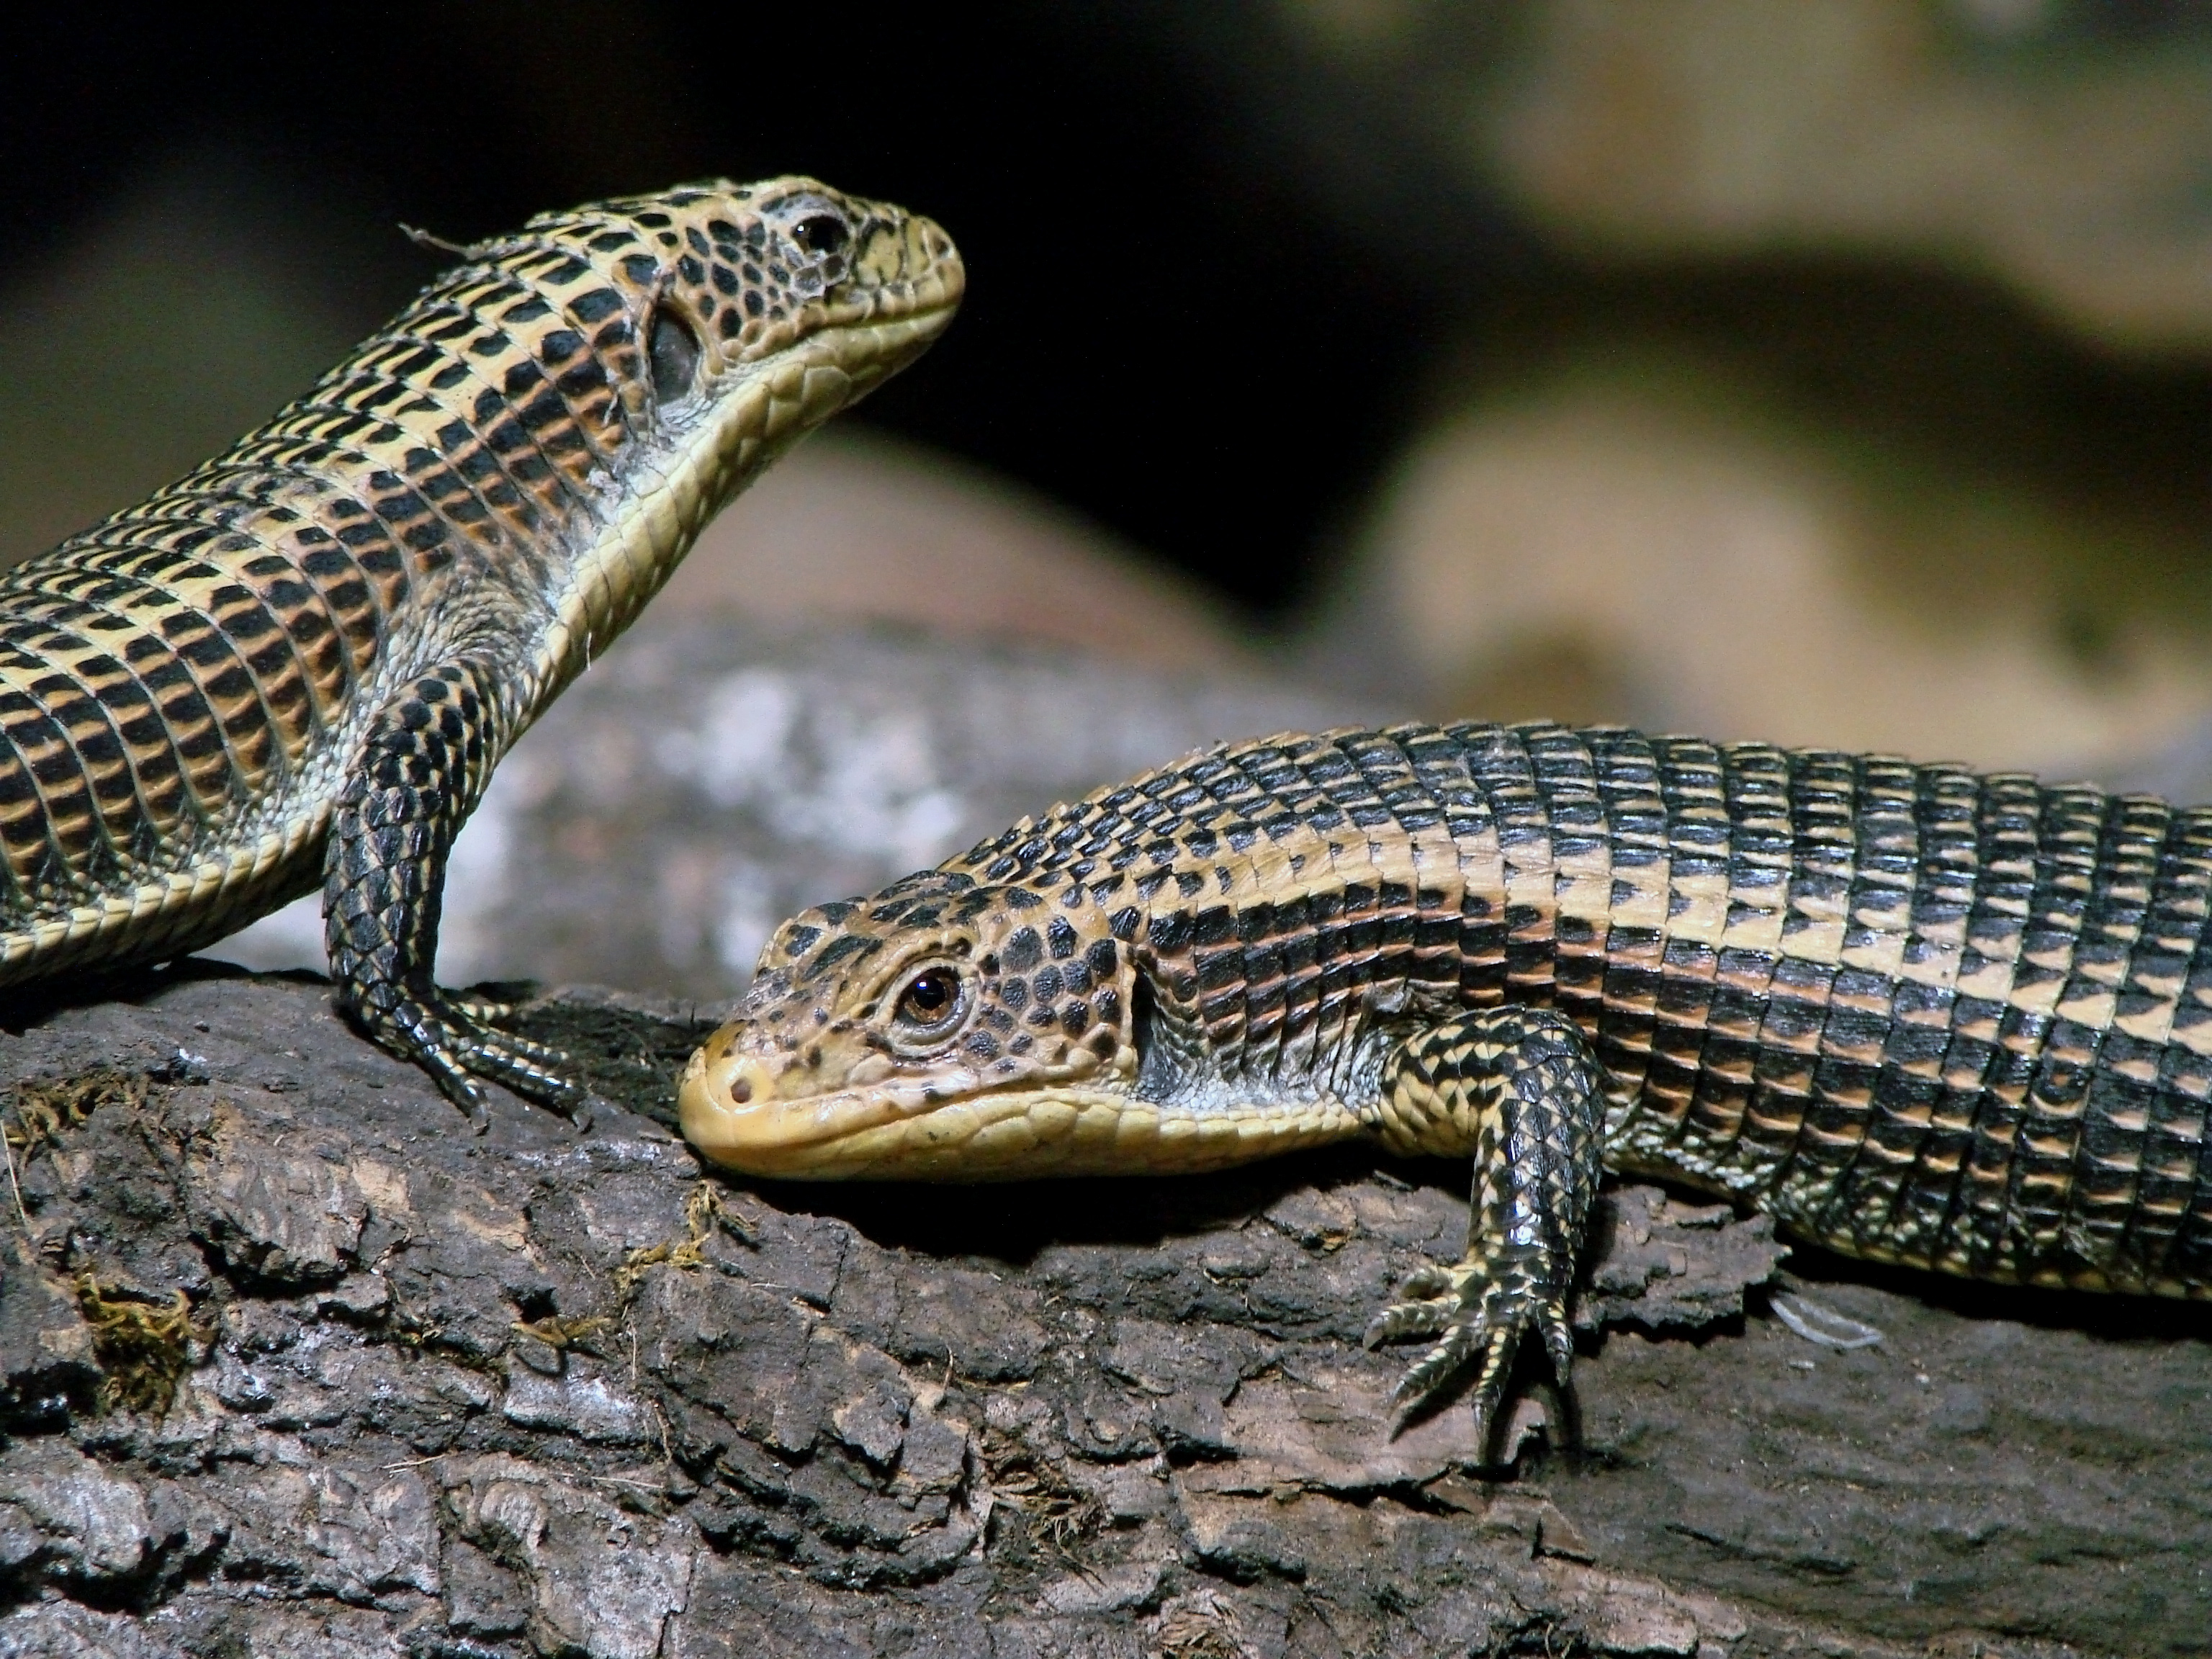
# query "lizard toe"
(1429, 1300)
(1480, 1325)
(532, 1070)
(441, 1035)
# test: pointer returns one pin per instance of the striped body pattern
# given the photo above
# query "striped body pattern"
(1958, 1022)
(405, 566)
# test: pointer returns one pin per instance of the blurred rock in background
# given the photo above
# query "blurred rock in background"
(1867, 404)
(857, 526)
(1642, 547)
(2058, 145)
(709, 778)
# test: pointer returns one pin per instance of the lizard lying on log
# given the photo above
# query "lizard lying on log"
(1916, 1015)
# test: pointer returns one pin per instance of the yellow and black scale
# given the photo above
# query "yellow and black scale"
(297, 666)
(1958, 1022)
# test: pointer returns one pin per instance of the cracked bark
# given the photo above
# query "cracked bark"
(557, 1393)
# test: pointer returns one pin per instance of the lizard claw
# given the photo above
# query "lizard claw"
(1428, 1299)
(446, 1037)
(1477, 1319)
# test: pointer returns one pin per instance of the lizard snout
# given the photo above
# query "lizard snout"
(727, 1099)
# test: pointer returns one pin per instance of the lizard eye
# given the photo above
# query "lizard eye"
(931, 1002)
(820, 234)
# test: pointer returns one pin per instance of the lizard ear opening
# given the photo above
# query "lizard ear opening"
(674, 349)
(1158, 1073)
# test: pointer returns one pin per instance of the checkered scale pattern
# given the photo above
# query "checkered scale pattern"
(1962, 1023)
(1955, 1021)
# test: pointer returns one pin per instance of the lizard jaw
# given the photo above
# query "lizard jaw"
(1065, 1127)
(732, 1115)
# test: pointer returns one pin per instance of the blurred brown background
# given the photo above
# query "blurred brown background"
(1837, 373)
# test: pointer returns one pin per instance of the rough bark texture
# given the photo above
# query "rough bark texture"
(561, 1392)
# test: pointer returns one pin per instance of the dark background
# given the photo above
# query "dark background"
(1192, 315)
(1218, 280)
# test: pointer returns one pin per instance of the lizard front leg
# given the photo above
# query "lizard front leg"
(419, 771)
(1518, 1090)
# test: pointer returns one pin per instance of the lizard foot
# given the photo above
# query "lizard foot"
(1518, 1089)
(420, 769)
(448, 1038)
(1477, 1311)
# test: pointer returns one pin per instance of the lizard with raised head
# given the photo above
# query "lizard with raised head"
(1962, 1023)
(296, 667)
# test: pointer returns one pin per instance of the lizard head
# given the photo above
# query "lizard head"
(941, 1029)
(719, 283)
(786, 289)
(700, 333)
